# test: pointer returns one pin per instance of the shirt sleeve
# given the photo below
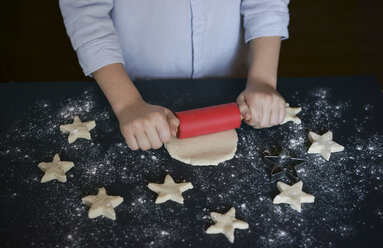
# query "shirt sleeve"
(265, 18)
(92, 33)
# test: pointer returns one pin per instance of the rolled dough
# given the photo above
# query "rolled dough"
(210, 149)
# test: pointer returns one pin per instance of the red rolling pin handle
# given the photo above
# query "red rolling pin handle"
(208, 120)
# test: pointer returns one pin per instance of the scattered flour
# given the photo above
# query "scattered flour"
(340, 186)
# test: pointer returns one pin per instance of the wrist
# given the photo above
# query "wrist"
(259, 82)
(126, 103)
(117, 87)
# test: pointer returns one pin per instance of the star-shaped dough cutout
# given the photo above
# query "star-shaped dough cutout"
(323, 144)
(102, 204)
(55, 169)
(170, 190)
(291, 115)
(283, 166)
(225, 224)
(293, 195)
(78, 129)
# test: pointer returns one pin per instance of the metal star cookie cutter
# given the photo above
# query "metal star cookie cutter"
(283, 166)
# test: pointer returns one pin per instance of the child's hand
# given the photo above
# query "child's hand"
(147, 126)
(261, 105)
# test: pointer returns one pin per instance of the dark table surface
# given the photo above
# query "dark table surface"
(348, 189)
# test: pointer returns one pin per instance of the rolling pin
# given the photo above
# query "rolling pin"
(208, 120)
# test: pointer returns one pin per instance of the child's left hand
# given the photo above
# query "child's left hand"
(261, 105)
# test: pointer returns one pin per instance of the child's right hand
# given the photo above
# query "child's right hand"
(147, 126)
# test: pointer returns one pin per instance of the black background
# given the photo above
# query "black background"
(20, 218)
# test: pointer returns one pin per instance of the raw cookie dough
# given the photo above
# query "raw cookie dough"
(102, 204)
(225, 224)
(293, 195)
(291, 115)
(55, 169)
(210, 149)
(323, 144)
(78, 129)
(169, 190)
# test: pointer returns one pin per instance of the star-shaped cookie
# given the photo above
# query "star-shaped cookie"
(293, 195)
(283, 166)
(323, 144)
(102, 204)
(291, 114)
(225, 224)
(55, 169)
(78, 129)
(170, 190)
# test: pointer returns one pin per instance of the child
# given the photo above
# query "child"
(120, 40)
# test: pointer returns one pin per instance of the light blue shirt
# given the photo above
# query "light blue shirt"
(171, 38)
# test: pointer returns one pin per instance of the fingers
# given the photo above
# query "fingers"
(282, 112)
(274, 117)
(266, 113)
(132, 142)
(148, 135)
(153, 127)
(273, 113)
(257, 114)
(243, 108)
(267, 109)
(154, 138)
(136, 138)
(173, 122)
(252, 116)
(163, 130)
(143, 141)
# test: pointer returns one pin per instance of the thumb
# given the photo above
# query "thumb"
(243, 107)
(173, 122)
